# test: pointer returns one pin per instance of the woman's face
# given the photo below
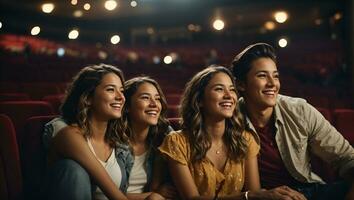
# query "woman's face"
(108, 99)
(145, 105)
(219, 100)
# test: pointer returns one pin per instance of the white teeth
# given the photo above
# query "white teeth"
(116, 105)
(226, 104)
(152, 112)
(269, 92)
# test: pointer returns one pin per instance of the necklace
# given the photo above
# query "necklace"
(219, 148)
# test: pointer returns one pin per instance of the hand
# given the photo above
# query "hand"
(168, 191)
(279, 193)
(154, 196)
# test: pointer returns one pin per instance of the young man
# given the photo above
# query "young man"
(289, 130)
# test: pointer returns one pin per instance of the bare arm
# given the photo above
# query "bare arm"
(252, 181)
(138, 196)
(70, 143)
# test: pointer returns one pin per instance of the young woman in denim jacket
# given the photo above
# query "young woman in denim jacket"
(146, 126)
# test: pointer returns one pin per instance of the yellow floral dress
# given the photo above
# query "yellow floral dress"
(206, 177)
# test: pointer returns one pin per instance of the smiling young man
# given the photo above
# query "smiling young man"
(289, 130)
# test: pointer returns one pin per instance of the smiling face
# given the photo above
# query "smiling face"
(108, 98)
(145, 105)
(219, 98)
(262, 84)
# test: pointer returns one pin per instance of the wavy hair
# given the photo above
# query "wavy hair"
(192, 118)
(76, 106)
(157, 132)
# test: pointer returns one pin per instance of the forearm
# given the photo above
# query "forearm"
(138, 196)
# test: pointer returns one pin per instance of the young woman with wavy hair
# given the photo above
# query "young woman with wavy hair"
(82, 155)
(144, 116)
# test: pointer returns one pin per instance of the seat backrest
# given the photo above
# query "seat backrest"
(14, 97)
(20, 111)
(326, 114)
(10, 170)
(33, 155)
(343, 121)
(55, 100)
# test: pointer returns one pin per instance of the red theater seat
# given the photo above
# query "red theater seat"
(172, 111)
(343, 121)
(326, 114)
(55, 101)
(20, 111)
(10, 170)
(33, 155)
(14, 97)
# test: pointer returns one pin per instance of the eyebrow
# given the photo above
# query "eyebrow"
(145, 93)
(264, 71)
(219, 84)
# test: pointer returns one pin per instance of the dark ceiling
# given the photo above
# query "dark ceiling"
(166, 17)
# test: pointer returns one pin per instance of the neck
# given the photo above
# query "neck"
(259, 117)
(98, 128)
(216, 130)
(139, 133)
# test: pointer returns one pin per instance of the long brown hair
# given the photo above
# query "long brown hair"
(192, 119)
(76, 107)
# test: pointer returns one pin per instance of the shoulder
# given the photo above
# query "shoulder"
(177, 136)
(293, 104)
(70, 132)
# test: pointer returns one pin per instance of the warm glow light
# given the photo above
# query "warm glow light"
(282, 42)
(35, 30)
(318, 21)
(150, 30)
(87, 6)
(0, 25)
(77, 13)
(47, 7)
(281, 16)
(115, 39)
(74, 2)
(218, 24)
(269, 25)
(110, 4)
(167, 60)
(338, 16)
(73, 34)
(133, 4)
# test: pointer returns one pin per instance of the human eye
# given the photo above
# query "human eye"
(218, 88)
(276, 75)
(110, 89)
(144, 97)
(261, 75)
(158, 98)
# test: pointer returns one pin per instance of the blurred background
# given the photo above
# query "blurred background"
(44, 43)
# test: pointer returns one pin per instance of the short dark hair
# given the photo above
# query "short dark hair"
(241, 64)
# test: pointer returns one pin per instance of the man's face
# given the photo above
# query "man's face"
(262, 84)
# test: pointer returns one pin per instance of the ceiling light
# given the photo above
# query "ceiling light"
(269, 25)
(115, 39)
(133, 4)
(0, 24)
(281, 16)
(35, 30)
(73, 34)
(87, 6)
(282, 42)
(47, 7)
(74, 2)
(167, 60)
(110, 5)
(218, 24)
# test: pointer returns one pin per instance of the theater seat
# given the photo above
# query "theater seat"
(10, 170)
(326, 114)
(55, 100)
(20, 111)
(343, 121)
(14, 97)
(33, 155)
(172, 111)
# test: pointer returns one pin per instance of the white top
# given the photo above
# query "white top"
(138, 176)
(112, 169)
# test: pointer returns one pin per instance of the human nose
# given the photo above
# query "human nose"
(227, 93)
(120, 96)
(270, 81)
(153, 102)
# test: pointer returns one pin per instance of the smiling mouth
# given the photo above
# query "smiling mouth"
(116, 105)
(227, 105)
(152, 113)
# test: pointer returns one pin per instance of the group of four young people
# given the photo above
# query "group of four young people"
(114, 142)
